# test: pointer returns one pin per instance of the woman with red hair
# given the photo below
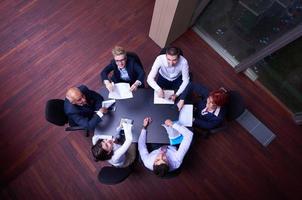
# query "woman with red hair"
(210, 111)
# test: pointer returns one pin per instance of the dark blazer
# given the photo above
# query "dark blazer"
(85, 115)
(209, 120)
(134, 68)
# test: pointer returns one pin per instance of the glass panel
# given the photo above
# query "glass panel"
(281, 73)
(238, 29)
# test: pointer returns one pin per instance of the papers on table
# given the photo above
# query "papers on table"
(109, 104)
(121, 91)
(186, 115)
(166, 99)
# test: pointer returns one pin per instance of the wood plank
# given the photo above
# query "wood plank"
(48, 46)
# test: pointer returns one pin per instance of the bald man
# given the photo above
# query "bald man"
(83, 107)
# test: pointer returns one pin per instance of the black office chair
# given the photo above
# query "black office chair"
(234, 108)
(113, 175)
(54, 113)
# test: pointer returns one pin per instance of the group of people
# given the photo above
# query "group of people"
(169, 71)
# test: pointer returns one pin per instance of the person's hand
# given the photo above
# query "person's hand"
(168, 122)
(133, 87)
(160, 93)
(109, 86)
(146, 122)
(180, 104)
(173, 97)
(103, 110)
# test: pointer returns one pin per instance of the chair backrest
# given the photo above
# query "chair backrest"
(163, 51)
(235, 106)
(54, 112)
(113, 175)
(135, 56)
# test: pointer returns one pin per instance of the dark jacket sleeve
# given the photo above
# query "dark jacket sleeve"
(197, 88)
(209, 121)
(140, 72)
(105, 72)
(85, 121)
(93, 97)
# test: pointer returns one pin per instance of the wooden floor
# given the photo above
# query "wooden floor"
(48, 46)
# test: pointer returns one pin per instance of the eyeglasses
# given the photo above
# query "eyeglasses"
(121, 60)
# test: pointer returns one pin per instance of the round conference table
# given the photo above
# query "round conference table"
(136, 109)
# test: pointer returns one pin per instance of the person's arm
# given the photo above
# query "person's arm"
(138, 70)
(143, 151)
(85, 121)
(128, 140)
(92, 95)
(207, 124)
(152, 74)
(104, 76)
(105, 72)
(185, 78)
(186, 142)
(210, 121)
(140, 73)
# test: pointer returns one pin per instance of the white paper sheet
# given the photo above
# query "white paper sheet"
(186, 115)
(121, 91)
(165, 100)
(109, 104)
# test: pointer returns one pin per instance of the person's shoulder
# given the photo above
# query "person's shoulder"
(162, 56)
(183, 60)
(83, 88)
(69, 107)
(160, 59)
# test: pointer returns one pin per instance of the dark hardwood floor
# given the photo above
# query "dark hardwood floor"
(48, 46)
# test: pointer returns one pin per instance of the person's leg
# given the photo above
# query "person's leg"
(163, 83)
(176, 83)
(186, 93)
(200, 90)
(130, 155)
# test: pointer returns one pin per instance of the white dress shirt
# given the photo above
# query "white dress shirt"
(118, 158)
(169, 72)
(175, 157)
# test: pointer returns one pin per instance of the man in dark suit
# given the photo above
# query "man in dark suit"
(83, 107)
(126, 68)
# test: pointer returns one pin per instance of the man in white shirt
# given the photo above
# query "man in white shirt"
(165, 158)
(173, 72)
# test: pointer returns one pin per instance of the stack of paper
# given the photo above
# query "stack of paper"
(109, 104)
(166, 99)
(186, 115)
(121, 91)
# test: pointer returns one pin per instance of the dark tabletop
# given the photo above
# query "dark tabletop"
(137, 108)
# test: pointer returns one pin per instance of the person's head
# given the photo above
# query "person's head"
(217, 98)
(75, 96)
(102, 150)
(172, 55)
(160, 165)
(119, 56)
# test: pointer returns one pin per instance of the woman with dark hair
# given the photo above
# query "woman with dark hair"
(210, 110)
(109, 148)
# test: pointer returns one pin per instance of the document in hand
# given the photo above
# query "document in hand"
(109, 104)
(166, 99)
(121, 91)
(186, 115)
